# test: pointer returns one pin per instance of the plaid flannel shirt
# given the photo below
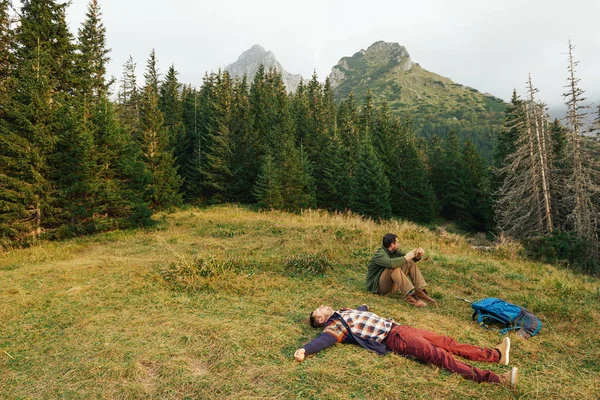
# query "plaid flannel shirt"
(363, 324)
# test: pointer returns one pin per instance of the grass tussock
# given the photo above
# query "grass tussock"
(213, 303)
(308, 264)
(210, 272)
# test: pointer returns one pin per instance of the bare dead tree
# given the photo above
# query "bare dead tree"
(580, 187)
(524, 206)
(537, 115)
(520, 209)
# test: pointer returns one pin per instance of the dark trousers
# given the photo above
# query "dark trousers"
(438, 350)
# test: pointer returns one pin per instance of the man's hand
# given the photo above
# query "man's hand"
(420, 252)
(410, 255)
(299, 355)
(415, 253)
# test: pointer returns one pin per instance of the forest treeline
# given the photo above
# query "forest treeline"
(76, 160)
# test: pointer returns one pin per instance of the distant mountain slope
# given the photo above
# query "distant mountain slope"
(251, 59)
(436, 104)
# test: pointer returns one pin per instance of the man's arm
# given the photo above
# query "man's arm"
(321, 342)
(386, 261)
(382, 259)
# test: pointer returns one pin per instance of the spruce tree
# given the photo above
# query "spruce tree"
(437, 170)
(289, 164)
(93, 55)
(506, 142)
(171, 106)
(295, 180)
(72, 171)
(6, 38)
(383, 138)
(452, 195)
(370, 187)
(477, 191)
(122, 176)
(348, 129)
(259, 109)
(163, 192)
(300, 114)
(411, 193)
(40, 86)
(187, 149)
(336, 184)
(216, 170)
(267, 189)
(128, 99)
(561, 171)
(367, 115)
(206, 121)
(117, 176)
(76, 159)
(329, 108)
(333, 190)
(280, 135)
(318, 135)
(245, 145)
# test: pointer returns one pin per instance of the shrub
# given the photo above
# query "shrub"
(197, 273)
(565, 248)
(307, 264)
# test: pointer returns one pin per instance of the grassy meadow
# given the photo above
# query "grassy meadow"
(212, 304)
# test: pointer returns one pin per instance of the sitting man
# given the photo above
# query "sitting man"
(383, 335)
(388, 270)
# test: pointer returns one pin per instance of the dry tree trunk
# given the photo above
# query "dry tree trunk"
(541, 148)
(584, 212)
(534, 170)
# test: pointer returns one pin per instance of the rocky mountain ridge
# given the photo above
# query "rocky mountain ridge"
(382, 52)
(249, 61)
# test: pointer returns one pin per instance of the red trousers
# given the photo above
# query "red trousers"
(438, 350)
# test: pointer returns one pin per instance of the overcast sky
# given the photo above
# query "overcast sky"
(488, 45)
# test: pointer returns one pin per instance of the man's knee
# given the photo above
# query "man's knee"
(398, 275)
(422, 350)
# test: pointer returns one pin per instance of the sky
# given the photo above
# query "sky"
(491, 46)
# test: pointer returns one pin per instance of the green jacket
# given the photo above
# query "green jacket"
(381, 260)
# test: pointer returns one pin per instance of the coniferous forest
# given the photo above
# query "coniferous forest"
(80, 154)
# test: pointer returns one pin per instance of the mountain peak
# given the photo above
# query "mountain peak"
(249, 61)
(255, 51)
(257, 47)
(379, 54)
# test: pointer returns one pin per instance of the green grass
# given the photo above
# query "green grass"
(212, 304)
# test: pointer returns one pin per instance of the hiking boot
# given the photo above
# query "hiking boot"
(504, 349)
(422, 294)
(411, 299)
(510, 378)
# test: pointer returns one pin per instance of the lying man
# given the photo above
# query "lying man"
(391, 271)
(383, 335)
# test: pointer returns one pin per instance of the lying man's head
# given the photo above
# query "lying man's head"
(320, 316)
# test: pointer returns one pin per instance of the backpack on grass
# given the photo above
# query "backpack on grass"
(513, 317)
